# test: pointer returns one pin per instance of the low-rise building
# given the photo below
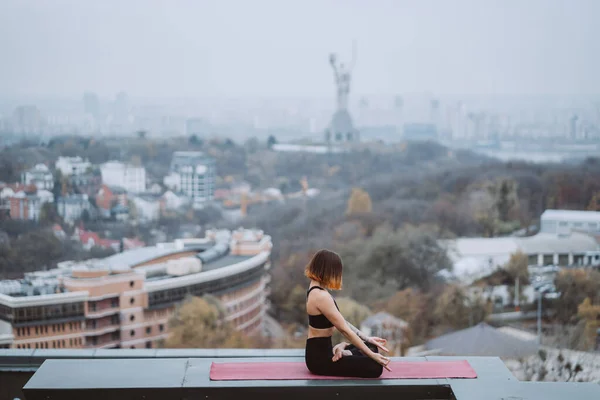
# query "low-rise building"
(72, 207)
(90, 239)
(120, 213)
(146, 207)
(171, 201)
(129, 177)
(563, 222)
(40, 176)
(72, 165)
(29, 206)
(474, 258)
(126, 300)
(88, 183)
(108, 197)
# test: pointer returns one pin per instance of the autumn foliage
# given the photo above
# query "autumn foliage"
(199, 323)
(359, 202)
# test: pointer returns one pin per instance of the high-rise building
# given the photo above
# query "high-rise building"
(193, 173)
(91, 104)
(121, 107)
(27, 119)
(573, 127)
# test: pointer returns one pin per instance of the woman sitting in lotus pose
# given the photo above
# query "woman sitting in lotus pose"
(359, 358)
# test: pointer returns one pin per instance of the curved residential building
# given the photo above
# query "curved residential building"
(125, 301)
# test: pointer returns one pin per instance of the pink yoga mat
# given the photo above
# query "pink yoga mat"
(249, 371)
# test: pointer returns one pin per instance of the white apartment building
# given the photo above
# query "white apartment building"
(72, 165)
(147, 208)
(193, 173)
(126, 176)
(40, 176)
(562, 222)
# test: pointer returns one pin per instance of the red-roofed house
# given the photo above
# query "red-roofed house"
(90, 239)
(109, 196)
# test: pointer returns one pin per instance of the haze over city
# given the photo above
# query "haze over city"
(279, 49)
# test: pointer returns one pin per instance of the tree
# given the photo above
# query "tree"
(413, 306)
(34, 250)
(101, 252)
(590, 314)
(271, 141)
(133, 212)
(359, 202)
(485, 212)
(293, 308)
(199, 323)
(505, 191)
(594, 204)
(48, 214)
(392, 260)
(407, 304)
(456, 309)
(451, 308)
(575, 286)
(353, 312)
(7, 260)
(85, 216)
(195, 140)
(517, 267)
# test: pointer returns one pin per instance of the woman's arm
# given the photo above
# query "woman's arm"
(358, 333)
(327, 307)
(379, 342)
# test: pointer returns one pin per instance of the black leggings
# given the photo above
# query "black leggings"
(319, 354)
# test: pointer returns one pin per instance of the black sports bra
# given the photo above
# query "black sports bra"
(319, 321)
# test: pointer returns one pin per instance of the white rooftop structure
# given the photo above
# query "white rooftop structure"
(300, 148)
(474, 258)
(545, 243)
(565, 221)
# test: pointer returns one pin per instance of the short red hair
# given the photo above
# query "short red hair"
(326, 268)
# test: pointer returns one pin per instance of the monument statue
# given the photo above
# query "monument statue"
(341, 127)
(342, 81)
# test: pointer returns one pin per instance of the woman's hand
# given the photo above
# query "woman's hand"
(379, 342)
(340, 351)
(381, 359)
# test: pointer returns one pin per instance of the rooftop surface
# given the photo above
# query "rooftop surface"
(131, 258)
(184, 373)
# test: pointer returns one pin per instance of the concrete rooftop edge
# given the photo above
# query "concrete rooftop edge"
(190, 378)
(14, 359)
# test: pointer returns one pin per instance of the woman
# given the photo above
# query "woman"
(360, 357)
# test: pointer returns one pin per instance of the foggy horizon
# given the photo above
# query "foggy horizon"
(266, 49)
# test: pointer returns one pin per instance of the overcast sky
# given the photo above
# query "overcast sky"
(280, 47)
